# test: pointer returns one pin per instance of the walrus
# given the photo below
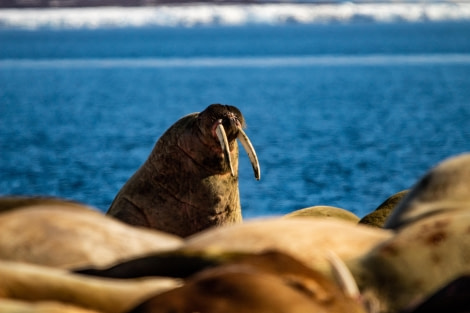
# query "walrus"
(190, 180)
(324, 211)
(378, 217)
(444, 187)
(63, 234)
(18, 306)
(421, 258)
(14, 202)
(307, 239)
(36, 283)
(248, 283)
(452, 298)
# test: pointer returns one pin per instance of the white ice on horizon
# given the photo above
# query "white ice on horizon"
(231, 14)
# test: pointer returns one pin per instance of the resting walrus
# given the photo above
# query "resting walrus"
(190, 180)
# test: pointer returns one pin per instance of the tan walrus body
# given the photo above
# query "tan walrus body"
(67, 235)
(190, 180)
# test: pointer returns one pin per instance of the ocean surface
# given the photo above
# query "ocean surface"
(342, 109)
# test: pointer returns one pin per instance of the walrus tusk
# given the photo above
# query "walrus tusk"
(246, 143)
(220, 131)
(343, 276)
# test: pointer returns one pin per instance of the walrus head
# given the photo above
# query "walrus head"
(225, 124)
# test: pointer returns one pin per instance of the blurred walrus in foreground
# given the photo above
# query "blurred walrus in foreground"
(190, 180)
(445, 187)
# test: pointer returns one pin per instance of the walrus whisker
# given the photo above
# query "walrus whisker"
(222, 136)
(246, 143)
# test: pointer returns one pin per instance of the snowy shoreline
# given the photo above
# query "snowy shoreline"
(229, 14)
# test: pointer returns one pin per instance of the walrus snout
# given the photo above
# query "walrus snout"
(231, 125)
(229, 128)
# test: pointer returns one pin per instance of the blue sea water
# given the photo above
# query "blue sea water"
(341, 114)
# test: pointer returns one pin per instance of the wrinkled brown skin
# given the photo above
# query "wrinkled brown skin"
(185, 185)
(270, 282)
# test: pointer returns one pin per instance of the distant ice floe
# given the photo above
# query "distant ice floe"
(233, 14)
